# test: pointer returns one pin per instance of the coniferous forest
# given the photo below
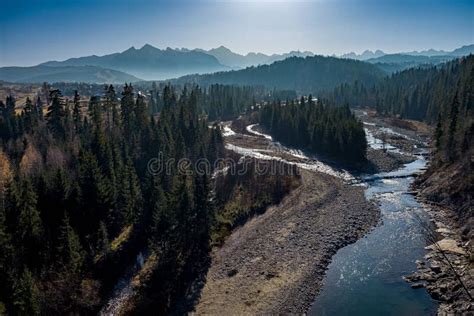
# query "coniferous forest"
(327, 130)
(77, 202)
(442, 96)
(415, 93)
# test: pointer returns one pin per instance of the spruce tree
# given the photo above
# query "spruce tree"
(56, 113)
(76, 112)
(103, 244)
(451, 144)
(29, 229)
(25, 295)
(69, 248)
(438, 134)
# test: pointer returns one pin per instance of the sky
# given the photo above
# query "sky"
(35, 31)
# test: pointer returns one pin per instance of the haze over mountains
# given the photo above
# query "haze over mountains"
(151, 63)
(368, 54)
(305, 75)
(235, 60)
(43, 73)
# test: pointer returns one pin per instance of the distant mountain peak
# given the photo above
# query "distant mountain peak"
(366, 54)
(148, 47)
(131, 49)
(221, 49)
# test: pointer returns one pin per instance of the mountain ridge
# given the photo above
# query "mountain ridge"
(369, 54)
(42, 73)
(149, 62)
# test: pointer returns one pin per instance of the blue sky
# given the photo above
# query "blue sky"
(35, 31)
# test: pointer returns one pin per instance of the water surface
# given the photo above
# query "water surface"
(365, 278)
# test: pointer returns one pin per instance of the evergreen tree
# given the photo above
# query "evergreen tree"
(56, 113)
(127, 105)
(29, 225)
(39, 108)
(103, 244)
(25, 295)
(30, 117)
(76, 112)
(438, 134)
(451, 144)
(69, 248)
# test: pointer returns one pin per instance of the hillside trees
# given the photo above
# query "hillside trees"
(77, 196)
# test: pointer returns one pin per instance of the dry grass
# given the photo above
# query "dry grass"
(121, 238)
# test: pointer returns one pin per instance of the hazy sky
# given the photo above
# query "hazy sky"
(35, 31)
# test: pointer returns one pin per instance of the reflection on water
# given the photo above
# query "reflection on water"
(365, 278)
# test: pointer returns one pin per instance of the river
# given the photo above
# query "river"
(365, 278)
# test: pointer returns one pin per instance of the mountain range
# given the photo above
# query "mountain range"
(368, 54)
(151, 63)
(236, 61)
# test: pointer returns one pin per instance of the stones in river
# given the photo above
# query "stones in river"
(417, 285)
(443, 230)
(447, 244)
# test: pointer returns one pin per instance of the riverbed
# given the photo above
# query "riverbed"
(365, 278)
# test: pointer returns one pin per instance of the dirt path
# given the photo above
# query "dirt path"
(275, 263)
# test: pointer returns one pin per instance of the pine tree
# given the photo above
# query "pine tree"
(69, 248)
(6, 244)
(103, 244)
(30, 116)
(39, 108)
(127, 104)
(161, 219)
(93, 194)
(29, 228)
(95, 112)
(438, 134)
(451, 145)
(25, 295)
(202, 210)
(56, 113)
(76, 112)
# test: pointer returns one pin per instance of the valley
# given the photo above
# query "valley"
(254, 157)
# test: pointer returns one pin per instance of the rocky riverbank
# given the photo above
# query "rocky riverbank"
(383, 161)
(275, 263)
(447, 271)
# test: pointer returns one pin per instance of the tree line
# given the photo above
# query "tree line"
(217, 101)
(326, 130)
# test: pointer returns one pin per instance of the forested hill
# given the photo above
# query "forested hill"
(305, 75)
(417, 93)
